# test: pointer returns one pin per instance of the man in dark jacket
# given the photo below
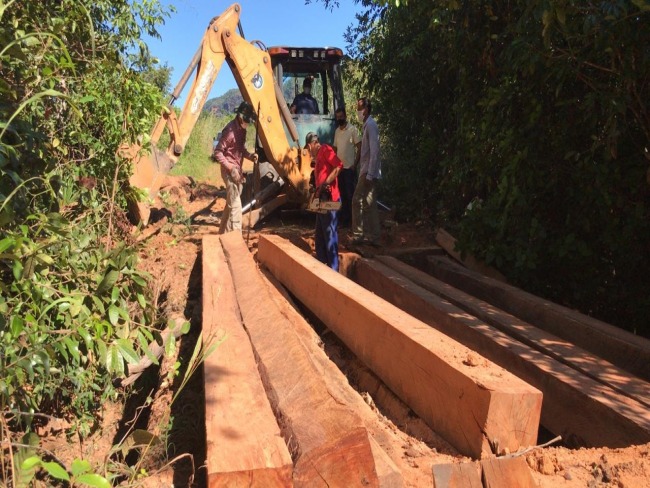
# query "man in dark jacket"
(304, 103)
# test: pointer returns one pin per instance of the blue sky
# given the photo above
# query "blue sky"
(274, 22)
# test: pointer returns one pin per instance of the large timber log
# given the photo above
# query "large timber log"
(585, 412)
(338, 386)
(473, 408)
(488, 473)
(328, 442)
(624, 349)
(448, 243)
(560, 349)
(245, 447)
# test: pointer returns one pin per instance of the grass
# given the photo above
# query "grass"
(196, 160)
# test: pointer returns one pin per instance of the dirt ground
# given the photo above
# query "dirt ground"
(172, 254)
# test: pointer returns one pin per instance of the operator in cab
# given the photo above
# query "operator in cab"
(304, 103)
(229, 152)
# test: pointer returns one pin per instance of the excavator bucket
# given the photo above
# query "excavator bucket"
(149, 170)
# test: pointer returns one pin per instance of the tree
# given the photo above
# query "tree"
(524, 125)
(160, 77)
(73, 307)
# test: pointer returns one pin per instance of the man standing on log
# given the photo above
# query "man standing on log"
(230, 151)
(326, 170)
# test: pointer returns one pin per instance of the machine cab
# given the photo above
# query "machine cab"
(320, 66)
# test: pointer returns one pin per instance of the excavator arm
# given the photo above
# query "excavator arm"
(251, 67)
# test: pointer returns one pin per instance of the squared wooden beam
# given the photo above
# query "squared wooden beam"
(245, 447)
(605, 418)
(327, 439)
(624, 349)
(470, 407)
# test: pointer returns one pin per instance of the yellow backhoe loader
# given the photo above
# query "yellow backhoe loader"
(259, 73)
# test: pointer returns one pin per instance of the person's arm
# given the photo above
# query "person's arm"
(373, 143)
(250, 155)
(332, 161)
(226, 140)
(357, 154)
(335, 141)
(332, 176)
(356, 140)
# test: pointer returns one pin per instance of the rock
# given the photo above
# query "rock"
(546, 466)
(471, 360)
(412, 452)
(608, 474)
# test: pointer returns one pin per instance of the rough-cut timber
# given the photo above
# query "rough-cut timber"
(457, 475)
(245, 447)
(583, 411)
(388, 473)
(415, 256)
(626, 350)
(448, 243)
(506, 472)
(573, 356)
(472, 409)
(329, 443)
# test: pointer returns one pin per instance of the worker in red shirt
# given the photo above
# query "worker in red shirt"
(326, 170)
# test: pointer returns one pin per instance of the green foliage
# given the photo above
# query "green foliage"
(73, 307)
(534, 111)
(159, 77)
(196, 160)
(27, 462)
(67, 325)
(224, 105)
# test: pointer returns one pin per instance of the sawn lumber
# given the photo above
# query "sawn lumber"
(337, 384)
(328, 442)
(245, 447)
(583, 411)
(573, 356)
(491, 472)
(457, 475)
(506, 472)
(422, 366)
(622, 348)
(448, 243)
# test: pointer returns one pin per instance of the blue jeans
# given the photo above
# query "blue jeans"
(327, 239)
